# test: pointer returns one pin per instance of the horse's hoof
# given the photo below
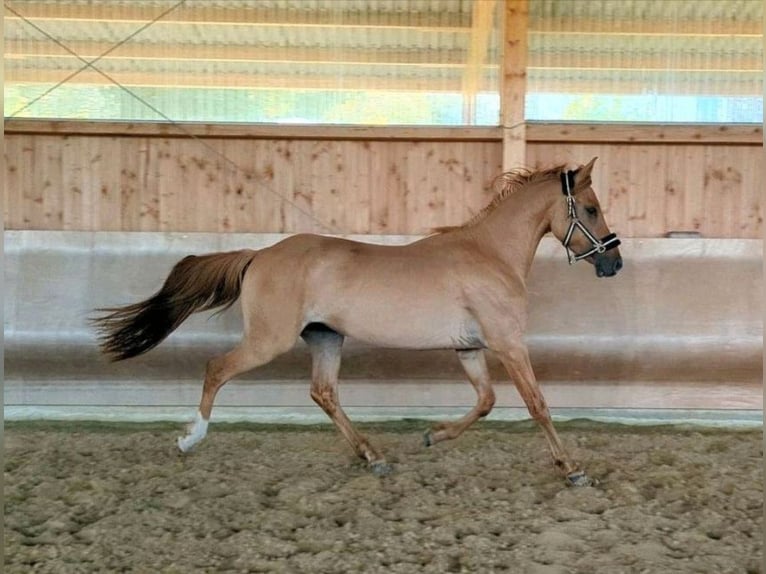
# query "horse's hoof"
(428, 439)
(579, 478)
(182, 446)
(381, 468)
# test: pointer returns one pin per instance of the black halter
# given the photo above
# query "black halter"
(605, 244)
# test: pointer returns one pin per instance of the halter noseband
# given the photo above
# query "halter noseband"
(605, 244)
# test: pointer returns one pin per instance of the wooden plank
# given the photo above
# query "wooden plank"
(130, 183)
(397, 169)
(481, 172)
(30, 196)
(148, 186)
(653, 178)
(253, 186)
(51, 171)
(360, 184)
(640, 194)
(198, 204)
(257, 131)
(722, 192)
(274, 177)
(17, 163)
(442, 169)
(105, 172)
(750, 219)
(703, 134)
(751, 134)
(322, 190)
(251, 179)
(298, 206)
(514, 83)
(462, 178)
(73, 184)
(416, 192)
(616, 162)
(234, 182)
(675, 192)
(683, 189)
(384, 187)
(166, 185)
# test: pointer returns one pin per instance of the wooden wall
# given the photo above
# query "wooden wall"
(377, 181)
(648, 190)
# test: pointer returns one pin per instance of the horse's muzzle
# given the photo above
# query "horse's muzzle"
(608, 264)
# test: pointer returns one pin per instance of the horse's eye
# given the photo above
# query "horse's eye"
(592, 211)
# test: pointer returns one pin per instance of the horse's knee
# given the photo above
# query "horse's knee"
(213, 370)
(324, 395)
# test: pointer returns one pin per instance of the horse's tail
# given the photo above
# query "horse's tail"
(196, 283)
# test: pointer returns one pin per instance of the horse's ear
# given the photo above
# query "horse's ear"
(585, 170)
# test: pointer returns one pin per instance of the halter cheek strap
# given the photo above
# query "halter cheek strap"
(598, 246)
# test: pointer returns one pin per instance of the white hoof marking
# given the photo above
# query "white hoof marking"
(196, 433)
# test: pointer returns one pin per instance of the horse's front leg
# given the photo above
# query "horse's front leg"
(475, 366)
(516, 361)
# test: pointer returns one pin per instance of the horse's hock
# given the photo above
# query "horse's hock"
(679, 328)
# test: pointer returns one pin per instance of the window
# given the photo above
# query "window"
(429, 62)
(381, 62)
(645, 61)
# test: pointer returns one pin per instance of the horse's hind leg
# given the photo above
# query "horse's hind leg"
(246, 356)
(325, 346)
(475, 366)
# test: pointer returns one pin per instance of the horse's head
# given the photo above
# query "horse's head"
(578, 222)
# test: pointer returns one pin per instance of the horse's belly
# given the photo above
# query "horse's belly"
(410, 303)
(410, 333)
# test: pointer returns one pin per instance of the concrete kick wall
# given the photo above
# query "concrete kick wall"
(679, 328)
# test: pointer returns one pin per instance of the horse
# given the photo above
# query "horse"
(461, 288)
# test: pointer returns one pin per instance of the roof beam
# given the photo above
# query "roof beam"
(230, 80)
(20, 49)
(197, 13)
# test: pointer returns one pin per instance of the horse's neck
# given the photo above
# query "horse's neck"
(516, 226)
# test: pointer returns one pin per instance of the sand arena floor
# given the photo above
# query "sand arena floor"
(88, 497)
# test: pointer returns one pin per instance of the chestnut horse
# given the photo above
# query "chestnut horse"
(462, 288)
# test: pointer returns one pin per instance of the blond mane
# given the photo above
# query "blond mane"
(508, 183)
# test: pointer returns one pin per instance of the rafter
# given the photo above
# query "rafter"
(19, 49)
(196, 13)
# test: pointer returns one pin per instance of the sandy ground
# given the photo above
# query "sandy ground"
(255, 498)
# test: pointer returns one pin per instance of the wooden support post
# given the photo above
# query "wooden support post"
(514, 83)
